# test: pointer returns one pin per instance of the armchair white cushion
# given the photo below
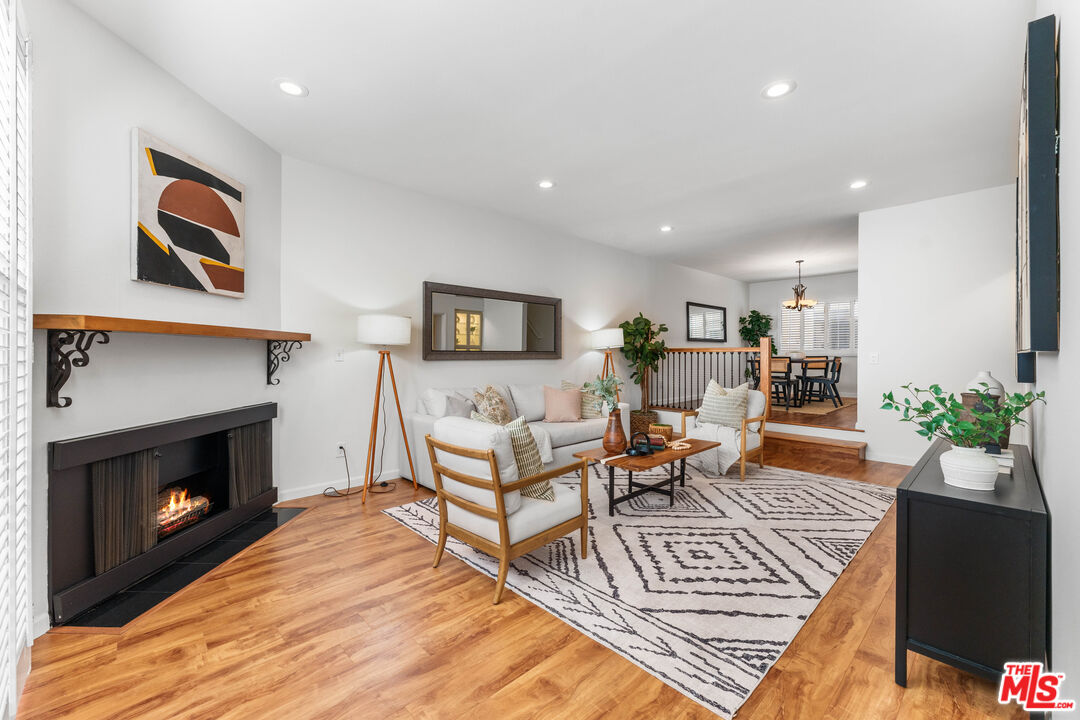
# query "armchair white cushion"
(480, 436)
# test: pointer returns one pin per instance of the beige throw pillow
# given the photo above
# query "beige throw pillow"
(592, 405)
(527, 458)
(491, 404)
(562, 405)
(720, 406)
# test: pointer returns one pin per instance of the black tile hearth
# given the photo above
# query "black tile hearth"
(124, 607)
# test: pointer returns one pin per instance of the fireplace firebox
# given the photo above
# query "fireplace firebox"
(124, 504)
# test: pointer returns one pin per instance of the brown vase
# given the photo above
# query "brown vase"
(614, 437)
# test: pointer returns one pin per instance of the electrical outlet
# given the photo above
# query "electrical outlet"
(339, 356)
(873, 358)
(338, 451)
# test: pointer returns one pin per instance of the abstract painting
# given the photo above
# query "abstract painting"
(189, 221)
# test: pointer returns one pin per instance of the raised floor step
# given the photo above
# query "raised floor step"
(854, 448)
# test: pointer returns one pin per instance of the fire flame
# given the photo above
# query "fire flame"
(179, 503)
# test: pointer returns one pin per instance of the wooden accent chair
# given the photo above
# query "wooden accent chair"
(751, 437)
(479, 497)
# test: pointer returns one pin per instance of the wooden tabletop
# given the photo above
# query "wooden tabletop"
(640, 463)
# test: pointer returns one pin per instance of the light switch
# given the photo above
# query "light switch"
(873, 358)
(339, 356)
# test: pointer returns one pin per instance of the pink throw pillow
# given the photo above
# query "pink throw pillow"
(561, 405)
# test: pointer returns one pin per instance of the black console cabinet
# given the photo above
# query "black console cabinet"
(971, 569)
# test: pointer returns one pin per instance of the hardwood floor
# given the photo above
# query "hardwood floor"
(843, 418)
(339, 614)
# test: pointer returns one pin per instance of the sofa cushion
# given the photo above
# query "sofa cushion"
(528, 401)
(504, 393)
(527, 457)
(592, 405)
(534, 516)
(572, 433)
(561, 405)
(492, 403)
(477, 436)
(720, 406)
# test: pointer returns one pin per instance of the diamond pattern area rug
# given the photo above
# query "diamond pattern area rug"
(706, 594)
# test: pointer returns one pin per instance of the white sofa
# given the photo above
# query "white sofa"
(567, 438)
(736, 445)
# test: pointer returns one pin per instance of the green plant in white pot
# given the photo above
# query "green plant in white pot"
(941, 415)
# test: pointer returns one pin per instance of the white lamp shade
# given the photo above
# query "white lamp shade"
(384, 329)
(607, 338)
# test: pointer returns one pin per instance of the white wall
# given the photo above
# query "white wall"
(936, 289)
(90, 89)
(354, 245)
(766, 297)
(1053, 429)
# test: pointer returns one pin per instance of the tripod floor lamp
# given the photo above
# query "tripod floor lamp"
(384, 330)
(607, 340)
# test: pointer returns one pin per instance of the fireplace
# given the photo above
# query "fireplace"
(124, 504)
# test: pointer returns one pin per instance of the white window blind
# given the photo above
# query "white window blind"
(15, 353)
(707, 323)
(828, 328)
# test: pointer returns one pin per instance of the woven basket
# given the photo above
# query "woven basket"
(661, 430)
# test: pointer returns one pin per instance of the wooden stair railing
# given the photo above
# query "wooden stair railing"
(680, 380)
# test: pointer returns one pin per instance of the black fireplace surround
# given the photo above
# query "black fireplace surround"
(224, 456)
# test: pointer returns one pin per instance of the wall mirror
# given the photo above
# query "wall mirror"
(706, 323)
(466, 323)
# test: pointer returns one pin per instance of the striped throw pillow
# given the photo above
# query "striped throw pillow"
(527, 458)
(720, 406)
(592, 405)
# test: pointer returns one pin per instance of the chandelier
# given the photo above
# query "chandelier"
(800, 301)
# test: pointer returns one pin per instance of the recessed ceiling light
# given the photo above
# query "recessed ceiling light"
(858, 184)
(545, 184)
(778, 89)
(292, 88)
(666, 228)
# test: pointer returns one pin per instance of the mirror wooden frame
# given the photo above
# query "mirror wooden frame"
(430, 353)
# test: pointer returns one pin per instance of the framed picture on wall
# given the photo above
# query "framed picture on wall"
(706, 323)
(1037, 273)
(188, 225)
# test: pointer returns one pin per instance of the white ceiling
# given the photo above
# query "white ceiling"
(645, 112)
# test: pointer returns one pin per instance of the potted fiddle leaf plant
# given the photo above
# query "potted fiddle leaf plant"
(607, 389)
(942, 415)
(753, 327)
(644, 349)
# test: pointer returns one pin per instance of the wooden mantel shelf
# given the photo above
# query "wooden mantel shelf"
(72, 336)
(114, 324)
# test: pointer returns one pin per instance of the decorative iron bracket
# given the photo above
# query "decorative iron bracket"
(277, 352)
(63, 358)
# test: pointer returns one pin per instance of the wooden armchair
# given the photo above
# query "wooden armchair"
(751, 437)
(479, 499)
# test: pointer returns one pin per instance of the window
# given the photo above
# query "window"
(706, 323)
(15, 355)
(468, 329)
(828, 327)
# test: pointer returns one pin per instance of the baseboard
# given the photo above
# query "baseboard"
(292, 493)
(41, 624)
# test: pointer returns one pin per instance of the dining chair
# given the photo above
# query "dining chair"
(826, 385)
(782, 383)
(812, 366)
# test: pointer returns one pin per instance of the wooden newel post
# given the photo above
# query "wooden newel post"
(764, 377)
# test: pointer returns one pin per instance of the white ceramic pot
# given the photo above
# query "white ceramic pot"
(969, 468)
(797, 355)
(995, 389)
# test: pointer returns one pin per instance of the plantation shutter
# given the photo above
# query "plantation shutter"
(15, 354)
(814, 328)
(790, 330)
(839, 324)
(855, 322)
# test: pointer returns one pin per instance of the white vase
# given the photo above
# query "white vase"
(798, 355)
(995, 388)
(969, 468)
